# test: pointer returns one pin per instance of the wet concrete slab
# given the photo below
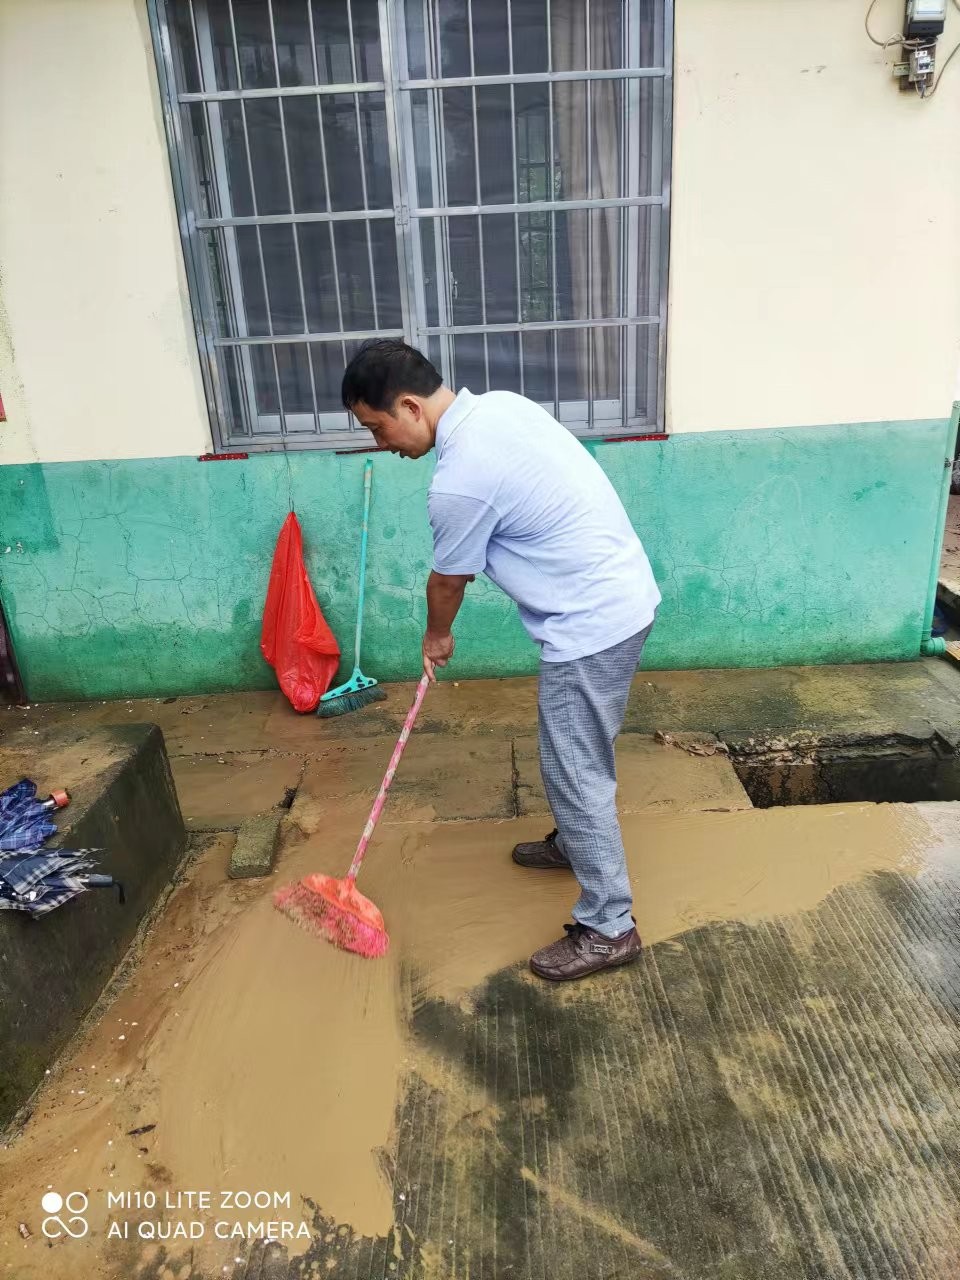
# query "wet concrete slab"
(873, 698)
(770, 1093)
(434, 782)
(651, 777)
(217, 792)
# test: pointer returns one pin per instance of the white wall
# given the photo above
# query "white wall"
(815, 266)
(97, 354)
(815, 272)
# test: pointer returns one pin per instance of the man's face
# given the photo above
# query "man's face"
(404, 431)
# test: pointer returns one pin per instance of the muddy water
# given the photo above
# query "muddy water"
(268, 1060)
(459, 908)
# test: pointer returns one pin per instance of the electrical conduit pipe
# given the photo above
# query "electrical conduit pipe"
(931, 645)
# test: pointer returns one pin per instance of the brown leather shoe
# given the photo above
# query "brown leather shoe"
(584, 951)
(540, 853)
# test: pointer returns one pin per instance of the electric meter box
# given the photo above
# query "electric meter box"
(925, 17)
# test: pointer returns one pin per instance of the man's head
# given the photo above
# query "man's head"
(397, 394)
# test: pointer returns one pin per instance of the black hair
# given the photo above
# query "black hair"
(385, 368)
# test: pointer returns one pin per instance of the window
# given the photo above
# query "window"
(486, 178)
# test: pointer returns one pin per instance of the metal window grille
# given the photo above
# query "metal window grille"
(487, 178)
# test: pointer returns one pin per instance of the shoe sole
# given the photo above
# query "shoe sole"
(572, 977)
(541, 866)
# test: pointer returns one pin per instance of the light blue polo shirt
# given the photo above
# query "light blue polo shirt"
(517, 497)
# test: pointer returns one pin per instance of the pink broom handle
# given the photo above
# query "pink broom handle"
(381, 799)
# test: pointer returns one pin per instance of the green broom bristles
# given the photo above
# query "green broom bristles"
(350, 700)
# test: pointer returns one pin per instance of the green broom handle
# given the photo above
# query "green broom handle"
(367, 485)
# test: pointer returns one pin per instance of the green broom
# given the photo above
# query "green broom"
(360, 690)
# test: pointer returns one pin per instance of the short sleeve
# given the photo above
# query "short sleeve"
(462, 527)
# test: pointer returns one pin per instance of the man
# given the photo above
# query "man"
(516, 497)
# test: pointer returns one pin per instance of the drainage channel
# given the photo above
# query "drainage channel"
(895, 768)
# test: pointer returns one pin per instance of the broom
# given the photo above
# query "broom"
(360, 690)
(333, 908)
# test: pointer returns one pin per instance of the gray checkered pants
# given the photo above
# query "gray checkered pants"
(581, 706)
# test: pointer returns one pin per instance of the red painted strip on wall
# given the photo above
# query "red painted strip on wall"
(653, 435)
(3, 412)
(222, 457)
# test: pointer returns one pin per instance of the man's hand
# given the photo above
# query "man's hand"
(437, 652)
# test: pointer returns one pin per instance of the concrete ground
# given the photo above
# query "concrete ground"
(771, 1092)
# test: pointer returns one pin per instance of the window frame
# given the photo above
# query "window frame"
(590, 418)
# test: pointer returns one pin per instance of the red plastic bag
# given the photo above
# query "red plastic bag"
(295, 639)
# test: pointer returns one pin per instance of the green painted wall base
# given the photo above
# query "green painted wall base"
(771, 547)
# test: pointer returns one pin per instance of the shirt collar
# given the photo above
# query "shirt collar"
(452, 417)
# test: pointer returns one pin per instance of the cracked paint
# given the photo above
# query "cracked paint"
(148, 576)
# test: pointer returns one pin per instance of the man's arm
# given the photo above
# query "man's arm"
(444, 598)
(462, 528)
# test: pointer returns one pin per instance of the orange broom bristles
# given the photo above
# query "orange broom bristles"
(335, 910)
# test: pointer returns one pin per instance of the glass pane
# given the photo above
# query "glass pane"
(422, 104)
(646, 224)
(283, 285)
(531, 52)
(184, 48)
(569, 250)
(251, 281)
(572, 364)
(292, 31)
(228, 154)
(494, 120)
(218, 58)
(570, 140)
(454, 37)
(293, 363)
(383, 239)
(258, 70)
(353, 266)
(536, 267)
(224, 282)
(463, 237)
(603, 282)
(539, 365)
(503, 354)
(266, 155)
(366, 39)
(343, 145)
(319, 278)
(534, 170)
(433, 351)
(620, 34)
(500, 268)
(457, 106)
(331, 31)
(607, 34)
(264, 380)
(568, 34)
(197, 136)
(431, 269)
(328, 367)
(376, 154)
(416, 49)
(301, 118)
(647, 343)
(232, 379)
(469, 363)
(343, 151)
(491, 38)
